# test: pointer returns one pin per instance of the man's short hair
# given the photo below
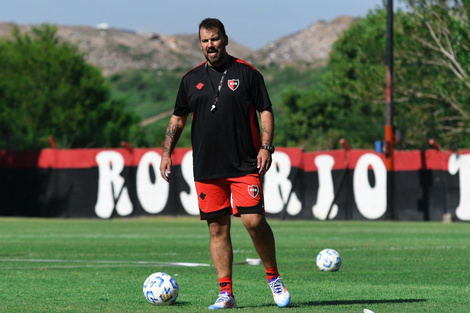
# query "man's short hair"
(209, 23)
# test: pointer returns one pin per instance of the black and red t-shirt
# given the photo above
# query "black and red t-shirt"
(225, 140)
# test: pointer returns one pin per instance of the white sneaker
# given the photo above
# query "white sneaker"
(225, 301)
(280, 293)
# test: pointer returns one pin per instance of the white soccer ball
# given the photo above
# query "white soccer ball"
(328, 260)
(160, 289)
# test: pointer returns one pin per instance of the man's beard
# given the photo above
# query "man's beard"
(217, 59)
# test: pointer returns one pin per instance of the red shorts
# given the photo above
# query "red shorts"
(224, 196)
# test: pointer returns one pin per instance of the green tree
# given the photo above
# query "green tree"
(438, 50)
(349, 100)
(47, 89)
(431, 81)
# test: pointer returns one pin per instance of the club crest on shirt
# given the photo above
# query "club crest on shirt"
(233, 84)
(253, 190)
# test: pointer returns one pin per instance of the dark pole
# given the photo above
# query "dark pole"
(389, 128)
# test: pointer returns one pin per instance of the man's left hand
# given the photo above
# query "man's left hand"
(264, 161)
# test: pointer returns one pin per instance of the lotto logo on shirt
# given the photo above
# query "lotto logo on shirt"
(233, 84)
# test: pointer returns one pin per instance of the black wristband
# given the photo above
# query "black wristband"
(269, 148)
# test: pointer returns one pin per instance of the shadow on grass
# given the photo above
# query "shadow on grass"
(349, 302)
(342, 302)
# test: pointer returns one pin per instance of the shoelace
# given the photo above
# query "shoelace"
(223, 298)
(276, 286)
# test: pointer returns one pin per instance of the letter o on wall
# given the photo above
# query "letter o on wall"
(153, 196)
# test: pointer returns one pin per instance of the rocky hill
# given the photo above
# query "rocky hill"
(114, 50)
(311, 45)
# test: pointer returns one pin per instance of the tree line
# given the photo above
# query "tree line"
(431, 82)
(47, 90)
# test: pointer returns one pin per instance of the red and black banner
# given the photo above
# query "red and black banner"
(326, 185)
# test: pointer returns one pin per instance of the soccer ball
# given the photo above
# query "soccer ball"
(328, 260)
(160, 289)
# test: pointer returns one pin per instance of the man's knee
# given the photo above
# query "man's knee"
(253, 222)
(219, 226)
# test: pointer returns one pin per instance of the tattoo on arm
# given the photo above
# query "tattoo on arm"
(267, 136)
(267, 127)
(173, 133)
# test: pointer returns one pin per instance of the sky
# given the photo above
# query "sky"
(252, 23)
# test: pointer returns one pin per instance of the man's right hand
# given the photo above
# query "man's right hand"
(165, 168)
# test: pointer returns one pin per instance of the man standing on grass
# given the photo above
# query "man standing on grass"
(229, 154)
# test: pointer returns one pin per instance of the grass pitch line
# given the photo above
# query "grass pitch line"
(112, 263)
(249, 261)
(80, 266)
(109, 262)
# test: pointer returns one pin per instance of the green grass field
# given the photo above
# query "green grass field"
(70, 265)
